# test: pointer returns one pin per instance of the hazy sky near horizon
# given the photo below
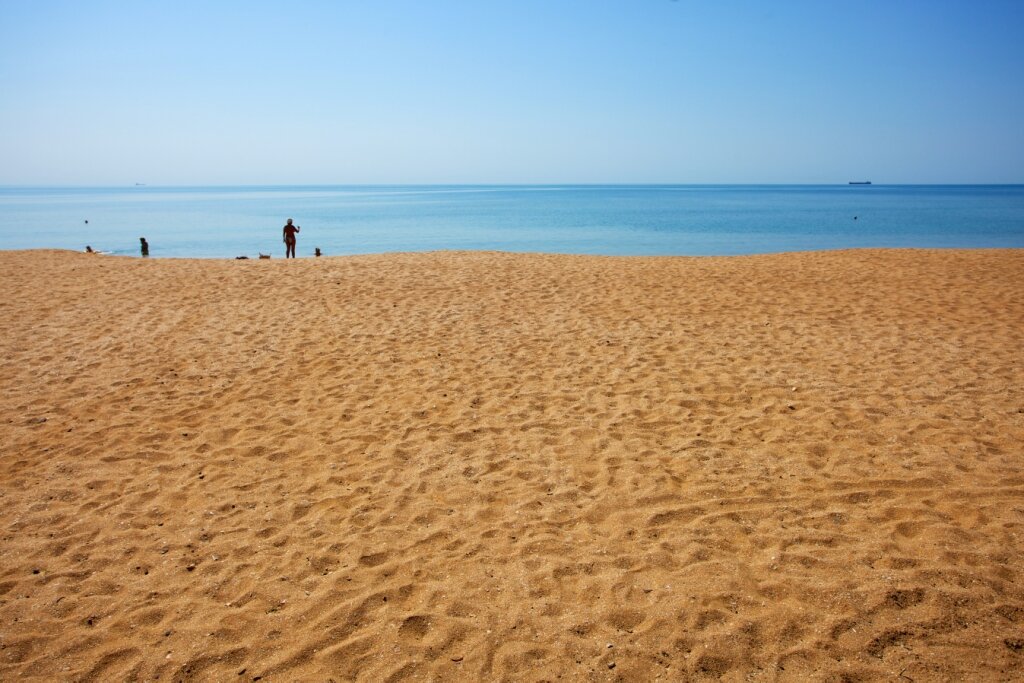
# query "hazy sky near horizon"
(524, 91)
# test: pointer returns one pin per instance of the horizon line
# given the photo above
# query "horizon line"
(860, 184)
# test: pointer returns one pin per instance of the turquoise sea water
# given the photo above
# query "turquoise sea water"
(626, 220)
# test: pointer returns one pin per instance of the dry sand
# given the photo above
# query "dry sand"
(483, 466)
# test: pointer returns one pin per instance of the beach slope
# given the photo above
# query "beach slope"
(488, 466)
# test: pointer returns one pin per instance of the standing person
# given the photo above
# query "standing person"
(289, 238)
(145, 246)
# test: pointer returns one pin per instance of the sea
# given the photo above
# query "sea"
(687, 220)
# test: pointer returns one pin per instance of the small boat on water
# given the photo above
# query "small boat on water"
(860, 182)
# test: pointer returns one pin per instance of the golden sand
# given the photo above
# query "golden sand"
(484, 466)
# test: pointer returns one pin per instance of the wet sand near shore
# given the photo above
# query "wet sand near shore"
(488, 466)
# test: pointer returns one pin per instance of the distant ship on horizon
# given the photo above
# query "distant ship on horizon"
(860, 182)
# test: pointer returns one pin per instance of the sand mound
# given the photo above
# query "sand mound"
(485, 466)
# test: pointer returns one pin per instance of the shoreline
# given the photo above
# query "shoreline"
(517, 253)
(471, 465)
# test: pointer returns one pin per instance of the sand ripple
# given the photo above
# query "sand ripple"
(485, 466)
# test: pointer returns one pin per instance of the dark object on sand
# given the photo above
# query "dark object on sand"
(241, 258)
(88, 250)
(317, 251)
(145, 246)
(262, 255)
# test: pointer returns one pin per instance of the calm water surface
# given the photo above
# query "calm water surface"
(624, 220)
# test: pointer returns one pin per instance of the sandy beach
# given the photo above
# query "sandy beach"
(489, 466)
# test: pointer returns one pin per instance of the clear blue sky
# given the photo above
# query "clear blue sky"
(522, 91)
